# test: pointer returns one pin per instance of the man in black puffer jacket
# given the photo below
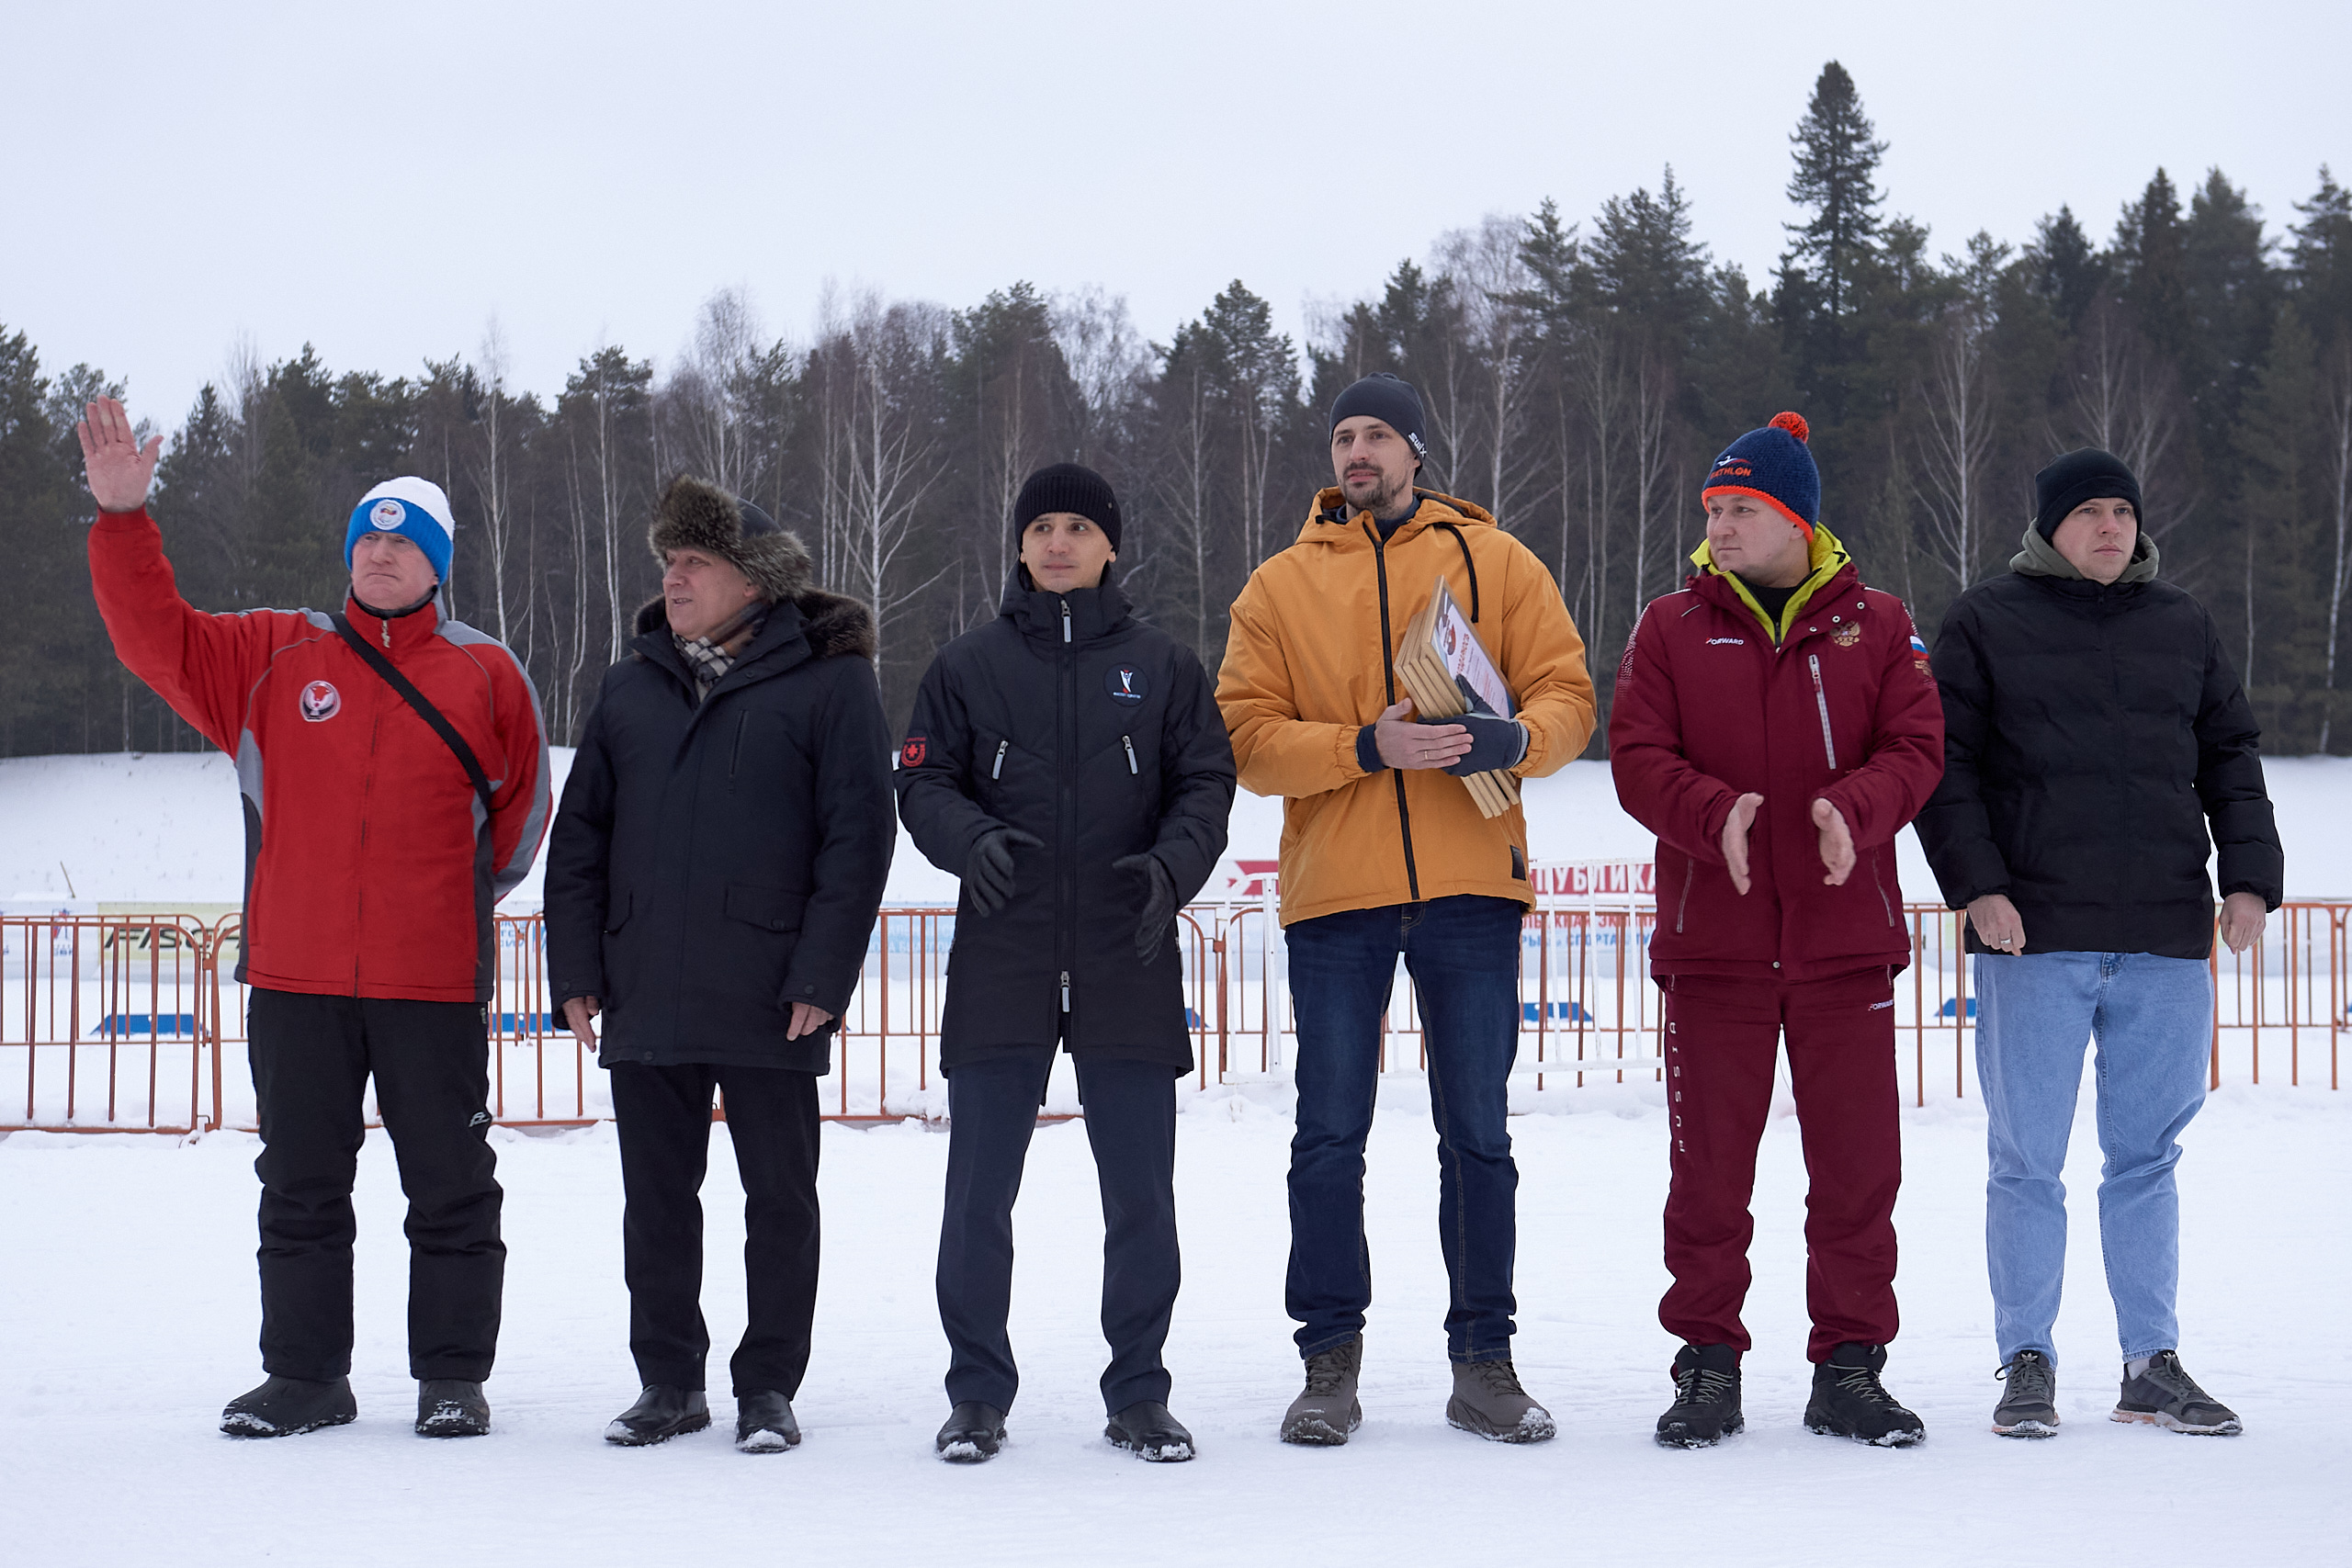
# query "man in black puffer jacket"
(2097, 749)
(1068, 762)
(713, 879)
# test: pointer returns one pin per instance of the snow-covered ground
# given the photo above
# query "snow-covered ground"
(126, 1315)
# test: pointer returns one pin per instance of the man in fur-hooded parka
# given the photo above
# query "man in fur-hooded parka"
(720, 853)
(713, 878)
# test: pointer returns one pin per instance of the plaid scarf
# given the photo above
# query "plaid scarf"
(712, 655)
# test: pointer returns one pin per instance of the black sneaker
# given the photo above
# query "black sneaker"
(2164, 1394)
(972, 1435)
(451, 1407)
(2028, 1406)
(1148, 1431)
(1849, 1402)
(282, 1406)
(1706, 1398)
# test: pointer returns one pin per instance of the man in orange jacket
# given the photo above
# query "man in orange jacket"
(1382, 857)
(375, 848)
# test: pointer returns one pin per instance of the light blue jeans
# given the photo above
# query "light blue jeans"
(2153, 1021)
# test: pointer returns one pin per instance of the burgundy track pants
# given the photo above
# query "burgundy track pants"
(1722, 1039)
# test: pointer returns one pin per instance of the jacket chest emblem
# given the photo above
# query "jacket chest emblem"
(1847, 635)
(321, 700)
(1126, 684)
(911, 755)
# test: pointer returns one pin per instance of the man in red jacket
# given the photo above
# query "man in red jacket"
(1775, 724)
(375, 848)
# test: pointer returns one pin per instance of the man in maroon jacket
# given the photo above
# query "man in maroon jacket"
(374, 854)
(1775, 724)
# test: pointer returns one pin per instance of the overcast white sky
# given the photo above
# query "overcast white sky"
(381, 181)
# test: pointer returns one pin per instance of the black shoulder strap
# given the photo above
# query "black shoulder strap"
(417, 700)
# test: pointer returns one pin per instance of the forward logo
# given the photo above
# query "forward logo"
(321, 700)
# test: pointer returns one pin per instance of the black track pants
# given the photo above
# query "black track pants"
(311, 1058)
(664, 1120)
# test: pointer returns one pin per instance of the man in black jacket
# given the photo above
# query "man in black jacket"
(713, 879)
(1068, 762)
(2097, 749)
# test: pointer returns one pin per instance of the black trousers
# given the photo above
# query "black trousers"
(663, 1115)
(311, 1058)
(1131, 1124)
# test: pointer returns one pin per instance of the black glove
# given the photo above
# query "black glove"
(1159, 903)
(1495, 743)
(988, 871)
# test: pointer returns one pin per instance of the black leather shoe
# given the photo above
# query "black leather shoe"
(764, 1423)
(662, 1411)
(1146, 1429)
(973, 1433)
(283, 1406)
(451, 1407)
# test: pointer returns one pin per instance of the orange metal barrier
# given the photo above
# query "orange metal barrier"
(135, 1022)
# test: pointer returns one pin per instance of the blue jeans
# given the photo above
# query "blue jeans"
(1462, 953)
(2153, 1021)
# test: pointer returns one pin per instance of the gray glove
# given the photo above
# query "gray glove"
(988, 871)
(1159, 903)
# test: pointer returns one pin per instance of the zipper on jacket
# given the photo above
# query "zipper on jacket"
(1884, 901)
(736, 755)
(386, 627)
(1821, 701)
(996, 770)
(1130, 745)
(1690, 876)
(1065, 991)
(1065, 620)
(1388, 670)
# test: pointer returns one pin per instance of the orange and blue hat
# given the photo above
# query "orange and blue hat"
(1776, 466)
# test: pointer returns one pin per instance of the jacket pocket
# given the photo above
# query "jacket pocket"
(770, 908)
(617, 915)
(1879, 885)
(1682, 905)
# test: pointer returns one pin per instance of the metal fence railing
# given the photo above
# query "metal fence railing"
(135, 1022)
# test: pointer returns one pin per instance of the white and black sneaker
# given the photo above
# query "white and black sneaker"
(1706, 1398)
(2028, 1405)
(2163, 1394)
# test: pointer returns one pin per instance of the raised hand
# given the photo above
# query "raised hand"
(1734, 838)
(120, 470)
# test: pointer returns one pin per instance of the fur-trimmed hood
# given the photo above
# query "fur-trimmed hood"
(693, 515)
(831, 624)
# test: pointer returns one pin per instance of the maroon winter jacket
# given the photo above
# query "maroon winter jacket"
(1843, 709)
(368, 869)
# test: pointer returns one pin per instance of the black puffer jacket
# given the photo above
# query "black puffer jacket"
(713, 865)
(1071, 720)
(2091, 734)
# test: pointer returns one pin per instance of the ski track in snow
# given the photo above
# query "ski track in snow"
(128, 1313)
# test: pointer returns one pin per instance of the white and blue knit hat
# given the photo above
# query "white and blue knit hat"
(415, 509)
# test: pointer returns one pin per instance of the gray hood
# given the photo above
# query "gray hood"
(2040, 559)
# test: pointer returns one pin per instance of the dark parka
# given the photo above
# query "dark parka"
(2091, 733)
(713, 865)
(1072, 721)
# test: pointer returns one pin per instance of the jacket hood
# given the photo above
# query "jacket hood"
(832, 623)
(1332, 522)
(1829, 559)
(2039, 558)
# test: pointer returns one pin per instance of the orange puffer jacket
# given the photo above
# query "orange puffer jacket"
(1309, 662)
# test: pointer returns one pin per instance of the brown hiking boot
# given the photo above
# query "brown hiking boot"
(1326, 1411)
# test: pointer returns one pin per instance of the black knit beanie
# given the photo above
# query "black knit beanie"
(2088, 474)
(1068, 486)
(1390, 400)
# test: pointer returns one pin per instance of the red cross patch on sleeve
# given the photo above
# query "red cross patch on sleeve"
(910, 754)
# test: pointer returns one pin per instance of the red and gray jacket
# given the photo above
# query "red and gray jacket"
(1831, 700)
(370, 868)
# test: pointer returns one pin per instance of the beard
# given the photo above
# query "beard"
(1377, 492)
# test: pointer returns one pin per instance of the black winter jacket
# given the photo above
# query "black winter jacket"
(711, 865)
(1071, 720)
(2091, 733)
